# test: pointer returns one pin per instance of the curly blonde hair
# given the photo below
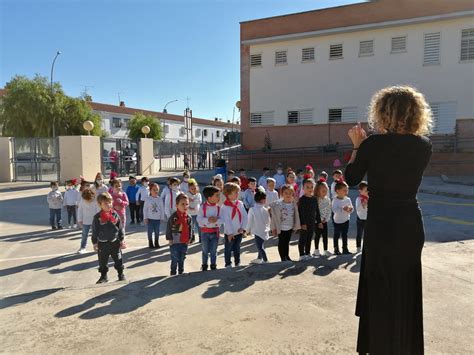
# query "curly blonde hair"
(400, 109)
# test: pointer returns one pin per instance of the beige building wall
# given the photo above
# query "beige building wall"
(6, 154)
(147, 159)
(79, 156)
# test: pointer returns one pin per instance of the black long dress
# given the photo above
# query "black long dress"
(389, 297)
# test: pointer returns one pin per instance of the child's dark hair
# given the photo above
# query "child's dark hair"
(144, 178)
(320, 184)
(152, 186)
(186, 173)
(181, 197)
(337, 172)
(363, 184)
(309, 181)
(116, 182)
(260, 195)
(209, 191)
(241, 169)
(299, 171)
(216, 179)
(231, 172)
(235, 180)
(287, 187)
(53, 183)
(252, 179)
(340, 184)
(174, 180)
(88, 194)
(324, 174)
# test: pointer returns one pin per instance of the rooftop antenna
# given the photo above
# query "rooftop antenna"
(119, 97)
(187, 101)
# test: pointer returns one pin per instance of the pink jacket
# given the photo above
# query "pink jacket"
(120, 202)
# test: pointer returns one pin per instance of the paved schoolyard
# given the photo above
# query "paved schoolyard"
(50, 303)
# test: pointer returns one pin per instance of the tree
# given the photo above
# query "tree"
(139, 120)
(28, 108)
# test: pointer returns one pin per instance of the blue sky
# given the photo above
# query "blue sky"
(149, 51)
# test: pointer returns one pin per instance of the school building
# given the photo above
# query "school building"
(306, 78)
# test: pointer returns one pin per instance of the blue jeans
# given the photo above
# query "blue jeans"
(341, 229)
(85, 233)
(153, 227)
(55, 217)
(232, 246)
(261, 248)
(195, 227)
(178, 254)
(209, 243)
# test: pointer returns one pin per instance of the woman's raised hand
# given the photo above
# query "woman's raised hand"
(357, 135)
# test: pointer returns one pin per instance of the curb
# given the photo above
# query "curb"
(447, 194)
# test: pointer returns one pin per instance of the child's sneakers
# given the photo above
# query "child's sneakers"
(60, 227)
(121, 277)
(54, 228)
(204, 267)
(172, 273)
(337, 252)
(82, 251)
(103, 279)
(327, 253)
(228, 266)
(316, 253)
(346, 251)
(150, 245)
(213, 267)
(74, 226)
(257, 261)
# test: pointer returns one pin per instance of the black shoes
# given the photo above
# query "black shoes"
(172, 273)
(157, 244)
(337, 252)
(54, 228)
(346, 251)
(121, 277)
(213, 267)
(204, 267)
(150, 245)
(103, 279)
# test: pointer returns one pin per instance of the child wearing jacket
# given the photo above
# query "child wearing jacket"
(259, 225)
(153, 214)
(55, 204)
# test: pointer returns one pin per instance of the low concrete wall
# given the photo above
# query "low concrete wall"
(6, 155)
(79, 155)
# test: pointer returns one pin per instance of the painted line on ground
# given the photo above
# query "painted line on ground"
(436, 202)
(454, 221)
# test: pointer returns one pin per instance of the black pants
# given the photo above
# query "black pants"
(284, 244)
(304, 244)
(71, 214)
(360, 231)
(140, 211)
(324, 233)
(134, 212)
(112, 249)
(341, 229)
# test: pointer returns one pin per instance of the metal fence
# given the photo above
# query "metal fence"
(35, 159)
(120, 155)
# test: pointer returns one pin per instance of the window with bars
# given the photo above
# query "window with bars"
(431, 48)
(262, 118)
(204, 132)
(256, 60)
(198, 132)
(300, 117)
(366, 48)
(116, 122)
(467, 44)
(307, 54)
(335, 51)
(218, 134)
(399, 44)
(280, 57)
(444, 117)
(345, 114)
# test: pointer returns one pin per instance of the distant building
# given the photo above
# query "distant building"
(115, 120)
(307, 77)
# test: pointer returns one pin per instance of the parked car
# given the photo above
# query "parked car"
(24, 162)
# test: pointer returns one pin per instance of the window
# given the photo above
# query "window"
(167, 128)
(307, 54)
(431, 48)
(261, 118)
(280, 57)
(467, 44)
(300, 117)
(182, 131)
(127, 122)
(256, 60)
(204, 132)
(399, 44)
(197, 132)
(116, 122)
(366, 48)
(444, 117)
(346, 114)
(335, 51)
(218, 134)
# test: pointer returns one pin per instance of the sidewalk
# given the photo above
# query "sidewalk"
(436, 186)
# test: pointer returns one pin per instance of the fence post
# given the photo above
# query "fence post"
(175, 160)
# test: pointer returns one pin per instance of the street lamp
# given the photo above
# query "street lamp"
(146, 130)
(164, 117)
(52, 93)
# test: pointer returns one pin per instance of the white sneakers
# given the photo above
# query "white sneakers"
(257, 261)
(82, 251)
(316, 253)
(327, 253)
(74, 226)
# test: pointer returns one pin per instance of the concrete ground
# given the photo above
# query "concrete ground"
(50, 303)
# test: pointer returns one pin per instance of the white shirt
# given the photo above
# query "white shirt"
(194, 203)
(142, 193)
(87, 210)
(325, 208)
(361, 210)
(153, 208)
(271, 196)
(211, 211)
(287, 216)
(341, 216)
(71, 197)
(333, 189)
(184, 187)
(258, 222)
(232, 225)
(170, 202)
(164, 192)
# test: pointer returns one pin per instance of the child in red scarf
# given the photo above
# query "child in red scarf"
(108, 237)
(178, 234)
(362, 202)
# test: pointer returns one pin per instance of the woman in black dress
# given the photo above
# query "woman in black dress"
(389, 299)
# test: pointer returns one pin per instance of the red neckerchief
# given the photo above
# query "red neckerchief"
(107, 216)
(364, 198)
(183, 220)
(235, 209)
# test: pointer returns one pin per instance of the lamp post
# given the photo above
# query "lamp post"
(88, 126)
(164, 117)
(145, 130)
(52, 93)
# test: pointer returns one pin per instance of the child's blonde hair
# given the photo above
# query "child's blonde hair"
(88, 194)
(104, 197)
(230, 187)
(192, 182)
(400, 109)
(287, 187)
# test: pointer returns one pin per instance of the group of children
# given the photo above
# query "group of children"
(275, 206)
